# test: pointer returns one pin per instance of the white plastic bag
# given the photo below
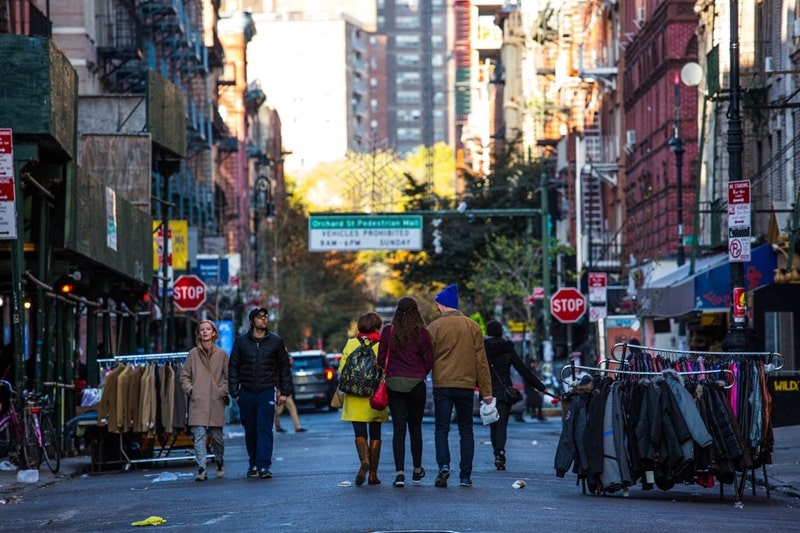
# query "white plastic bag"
(28, 476)
(488, 412)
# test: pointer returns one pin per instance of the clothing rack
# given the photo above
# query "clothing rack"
(145, 357)
(729, 382)
(773, 360)
(704, 365)
(167, 446)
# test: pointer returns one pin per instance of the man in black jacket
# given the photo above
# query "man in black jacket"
(259, 365)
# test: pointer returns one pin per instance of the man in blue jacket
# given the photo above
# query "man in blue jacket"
(259, 365)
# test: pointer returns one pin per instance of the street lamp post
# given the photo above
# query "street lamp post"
(261, 204)
(677, 147)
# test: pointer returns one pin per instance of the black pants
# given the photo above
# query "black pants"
(407, 409)
(499, 430)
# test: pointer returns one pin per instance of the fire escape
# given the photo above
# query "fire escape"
(136, 37)
(588, 82)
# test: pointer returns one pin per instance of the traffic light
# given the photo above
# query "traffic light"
(66, 288)
(437, 235)
(64, 285)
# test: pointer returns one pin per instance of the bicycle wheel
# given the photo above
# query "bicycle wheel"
(31, 451)
(50, 448)
(6, 438)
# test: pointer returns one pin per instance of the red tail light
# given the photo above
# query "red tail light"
(329, 374)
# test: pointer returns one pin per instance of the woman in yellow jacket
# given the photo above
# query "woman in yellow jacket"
(356, 409)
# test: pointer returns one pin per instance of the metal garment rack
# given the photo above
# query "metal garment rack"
(167, 446)
(773, 362)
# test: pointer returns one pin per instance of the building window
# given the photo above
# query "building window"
(407, 23)
(408, 134)
(407, 41)
(408, 97)
(412, 78)
(409, 115)
(407, 59)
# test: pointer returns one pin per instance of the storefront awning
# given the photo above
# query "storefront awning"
(708, 289)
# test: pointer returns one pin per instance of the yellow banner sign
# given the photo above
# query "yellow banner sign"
(177, 245)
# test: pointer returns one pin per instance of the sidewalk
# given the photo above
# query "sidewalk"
(783, 474)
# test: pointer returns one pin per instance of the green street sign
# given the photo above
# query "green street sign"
(350, 233)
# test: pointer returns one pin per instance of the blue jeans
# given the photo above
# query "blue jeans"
(444, 399)
(257, 411)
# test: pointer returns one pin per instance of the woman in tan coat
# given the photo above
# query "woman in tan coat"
(204, 379)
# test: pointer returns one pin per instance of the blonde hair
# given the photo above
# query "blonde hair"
(213, 326)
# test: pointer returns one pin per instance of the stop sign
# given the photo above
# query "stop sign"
(189, 292)
(568, 305)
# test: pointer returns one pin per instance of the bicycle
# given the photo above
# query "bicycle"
(40, 439)
(12, 433)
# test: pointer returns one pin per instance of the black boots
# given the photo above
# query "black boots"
(500, 460)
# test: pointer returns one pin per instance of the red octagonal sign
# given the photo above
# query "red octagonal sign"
(189, 292)
(568, 305)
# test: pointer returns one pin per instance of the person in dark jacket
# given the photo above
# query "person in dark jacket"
(259, 365)
(532, 394)
(501, 355)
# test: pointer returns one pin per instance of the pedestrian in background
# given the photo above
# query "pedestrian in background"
(534, 400)
(459, 363)
(292, 408)
(259, 364)
(502, 356)
(366, 421)
(409, 347)
(204, 379)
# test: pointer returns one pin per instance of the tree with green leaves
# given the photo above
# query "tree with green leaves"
(512, 185)
(509, 269)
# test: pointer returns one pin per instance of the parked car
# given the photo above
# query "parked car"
(315, 379)
(428, 396)
(335, 359)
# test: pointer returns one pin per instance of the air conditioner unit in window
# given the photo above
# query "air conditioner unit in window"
(630, 137)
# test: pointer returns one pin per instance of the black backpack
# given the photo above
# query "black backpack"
(361, 374)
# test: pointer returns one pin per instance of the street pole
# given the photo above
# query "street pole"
(677, 147)
(547, 339)
(676, 144)
(735, 339)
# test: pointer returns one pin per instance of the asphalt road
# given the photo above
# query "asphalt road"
(306, 494)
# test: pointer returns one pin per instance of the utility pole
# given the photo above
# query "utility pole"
(736, 338)
(547, 338)
(676, 145)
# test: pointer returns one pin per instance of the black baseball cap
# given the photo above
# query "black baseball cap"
(254, 312)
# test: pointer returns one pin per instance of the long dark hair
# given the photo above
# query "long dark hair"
(407, 323)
